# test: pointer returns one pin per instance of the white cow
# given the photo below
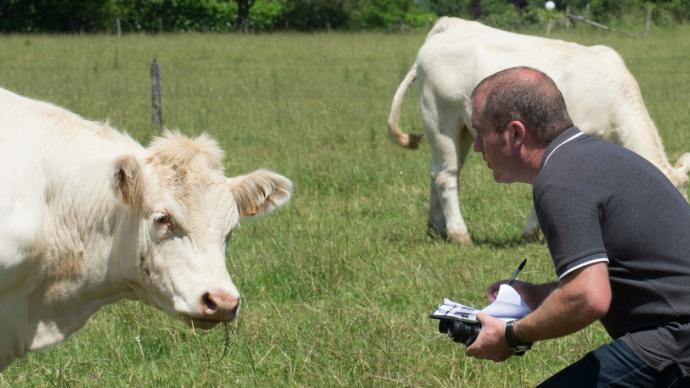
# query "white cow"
(602, 97)
(88, 217)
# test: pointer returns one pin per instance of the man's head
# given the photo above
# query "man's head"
(517, 112)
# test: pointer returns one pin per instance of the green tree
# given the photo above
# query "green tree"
(242, 21)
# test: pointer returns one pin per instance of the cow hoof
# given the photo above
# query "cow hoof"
(534, 235)
(462, 239)
(435, 234)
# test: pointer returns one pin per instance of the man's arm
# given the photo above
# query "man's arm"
(581, 298)
(578, 300)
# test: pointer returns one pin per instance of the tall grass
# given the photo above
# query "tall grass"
(336, 286)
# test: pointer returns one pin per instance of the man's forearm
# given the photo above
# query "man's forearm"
(570, 306)
(556, 316)
(534, 294)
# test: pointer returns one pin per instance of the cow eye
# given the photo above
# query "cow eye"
(163, 219)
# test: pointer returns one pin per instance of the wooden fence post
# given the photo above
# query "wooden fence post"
(156, 95)
(599, 25)
(549, 25)
(647, 20)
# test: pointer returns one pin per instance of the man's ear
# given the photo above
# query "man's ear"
(128, 182)
(260, 192)
(518, 132)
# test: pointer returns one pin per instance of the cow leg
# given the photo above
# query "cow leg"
(466, 141)
(19, 232)
(531, 232)
(436, 226)
(14, 328)
(447, 157)
(437, 221)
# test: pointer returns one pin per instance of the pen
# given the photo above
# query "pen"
(517, 271)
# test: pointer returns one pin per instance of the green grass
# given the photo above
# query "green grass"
(336, 286)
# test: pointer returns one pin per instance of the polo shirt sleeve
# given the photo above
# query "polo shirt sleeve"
(570, 219)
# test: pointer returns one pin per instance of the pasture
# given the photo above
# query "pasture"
(337, 285)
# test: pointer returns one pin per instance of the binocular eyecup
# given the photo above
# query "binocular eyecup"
(460, 331)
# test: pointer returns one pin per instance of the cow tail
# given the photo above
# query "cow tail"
(410, 141)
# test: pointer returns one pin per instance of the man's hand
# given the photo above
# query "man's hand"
(532, 294)
(491, 343)
(492, 291)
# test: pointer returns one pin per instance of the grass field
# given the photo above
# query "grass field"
(337, 285)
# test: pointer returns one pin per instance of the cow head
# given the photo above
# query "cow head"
(186, 210)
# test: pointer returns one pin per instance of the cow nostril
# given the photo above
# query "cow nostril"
(235, 308)
(209, 304)
(219, 306)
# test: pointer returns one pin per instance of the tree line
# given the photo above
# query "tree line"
(78, 16)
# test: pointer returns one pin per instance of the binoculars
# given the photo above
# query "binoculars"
(460, 331)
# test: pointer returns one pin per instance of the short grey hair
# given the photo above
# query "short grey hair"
(527, 95)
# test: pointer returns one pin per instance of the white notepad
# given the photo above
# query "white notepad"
(508, 306)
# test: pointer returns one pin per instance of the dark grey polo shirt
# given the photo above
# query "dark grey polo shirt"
(599, 202)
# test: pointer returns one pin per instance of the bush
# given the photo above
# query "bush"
(267, 15)
(56, 15)
(450, 7)
(678, 9)
(387, 14)
(608, 10)
(309, 15)
(500, 14)
(177, 15)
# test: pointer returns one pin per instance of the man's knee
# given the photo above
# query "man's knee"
(610, 364)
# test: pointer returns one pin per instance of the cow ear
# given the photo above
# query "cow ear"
(129, 182)
(260, 192)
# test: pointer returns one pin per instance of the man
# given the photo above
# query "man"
(618, 233)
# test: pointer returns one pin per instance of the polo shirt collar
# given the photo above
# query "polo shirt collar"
(565, 136)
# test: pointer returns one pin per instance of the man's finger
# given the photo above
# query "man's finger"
(472, 352)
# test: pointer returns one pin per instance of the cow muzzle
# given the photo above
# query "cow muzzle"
(215, 307)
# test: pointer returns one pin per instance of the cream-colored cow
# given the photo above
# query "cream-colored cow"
(602, 97)
(88, 217)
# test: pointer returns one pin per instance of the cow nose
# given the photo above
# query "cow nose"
(219, 306)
